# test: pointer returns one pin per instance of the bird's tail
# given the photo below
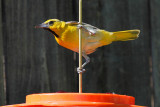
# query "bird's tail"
(126, 35)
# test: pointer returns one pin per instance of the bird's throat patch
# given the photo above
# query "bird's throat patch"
(54, 33)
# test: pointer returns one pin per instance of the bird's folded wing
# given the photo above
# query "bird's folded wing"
(88, 27)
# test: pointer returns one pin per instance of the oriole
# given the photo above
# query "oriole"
(67, 35)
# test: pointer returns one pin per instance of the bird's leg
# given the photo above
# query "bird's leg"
(86, 58)
(84, 64)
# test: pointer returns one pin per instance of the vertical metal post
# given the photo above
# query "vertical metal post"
(80, 46)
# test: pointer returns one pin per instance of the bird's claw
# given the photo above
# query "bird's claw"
(80, 70)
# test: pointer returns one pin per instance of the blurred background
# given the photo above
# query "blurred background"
(32, 62)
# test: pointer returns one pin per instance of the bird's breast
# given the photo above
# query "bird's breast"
(69, 39)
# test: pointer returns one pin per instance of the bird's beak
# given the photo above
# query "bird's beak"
(46, 27)
(43, 25)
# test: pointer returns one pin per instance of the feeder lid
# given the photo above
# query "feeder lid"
(77, 100)
(79, 97)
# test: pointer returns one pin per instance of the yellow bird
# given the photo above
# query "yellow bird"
(67, 35)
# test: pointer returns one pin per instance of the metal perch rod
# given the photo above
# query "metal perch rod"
(80, 46)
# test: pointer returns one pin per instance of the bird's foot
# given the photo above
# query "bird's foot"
(80, 70)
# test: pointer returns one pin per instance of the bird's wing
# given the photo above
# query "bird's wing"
(91, 29)
(72, 23)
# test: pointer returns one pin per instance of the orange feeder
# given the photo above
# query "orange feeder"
(77, 100)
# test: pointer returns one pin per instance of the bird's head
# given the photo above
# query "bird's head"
(52, 25)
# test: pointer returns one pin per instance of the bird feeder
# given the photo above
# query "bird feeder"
(77, 100)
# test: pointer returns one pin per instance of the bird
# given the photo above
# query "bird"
(67, 35)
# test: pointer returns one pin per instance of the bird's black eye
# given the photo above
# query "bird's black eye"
(51, 22)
